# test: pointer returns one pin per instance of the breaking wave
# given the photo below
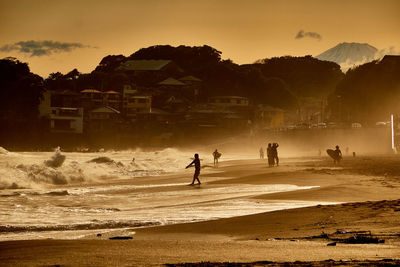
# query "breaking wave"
(38, 169)
(72, 227)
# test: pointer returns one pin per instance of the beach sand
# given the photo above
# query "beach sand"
(366, 188)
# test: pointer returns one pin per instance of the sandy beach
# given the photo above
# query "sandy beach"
(363, 225)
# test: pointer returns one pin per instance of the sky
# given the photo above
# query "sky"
(60, 35)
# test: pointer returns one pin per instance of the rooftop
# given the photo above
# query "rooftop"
(106, 109)
(144, 64)
(111, 92)
(171, 81)
(190, 78)
(91, 91)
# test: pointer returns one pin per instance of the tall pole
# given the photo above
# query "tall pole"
(392, 129)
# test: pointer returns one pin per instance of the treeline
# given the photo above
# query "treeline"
(367, 93)
(20, 95)
(277, 81)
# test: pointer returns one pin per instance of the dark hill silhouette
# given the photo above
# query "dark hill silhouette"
(368, 93)
(306, 76)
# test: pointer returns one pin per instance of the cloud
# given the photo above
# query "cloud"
(302, 34)
(41, 48)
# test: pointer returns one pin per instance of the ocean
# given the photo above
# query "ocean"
(71, 195)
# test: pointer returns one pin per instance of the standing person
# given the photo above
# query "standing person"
(270, 155)
(261, 153)
(275, 153)
(338, 155)
(196, 163)
(216, 156)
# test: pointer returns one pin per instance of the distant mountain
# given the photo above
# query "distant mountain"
(349, 54)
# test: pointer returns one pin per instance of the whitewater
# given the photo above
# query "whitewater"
(72, 195)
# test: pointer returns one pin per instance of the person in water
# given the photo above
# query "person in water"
(275, 153)
(196, 163)
(261, 153)
(338, 155)
(270, 156)
(216, 156)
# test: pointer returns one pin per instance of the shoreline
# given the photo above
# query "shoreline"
(371, 204)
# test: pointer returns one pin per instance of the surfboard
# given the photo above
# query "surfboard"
(332, 153)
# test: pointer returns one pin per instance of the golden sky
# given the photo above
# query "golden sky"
(87, 30)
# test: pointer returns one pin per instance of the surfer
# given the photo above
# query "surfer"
(336, 154)
(275, 153)
(216, 156)
(261, 153)
(270, 156)
(196, 163)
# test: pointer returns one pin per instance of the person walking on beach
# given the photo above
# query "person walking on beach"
(216, 156)
(261, 153)
(275, 153)
(270, 156)
(196, 163)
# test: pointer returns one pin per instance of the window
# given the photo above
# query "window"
(68, 112)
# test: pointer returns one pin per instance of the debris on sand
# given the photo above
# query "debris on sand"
(56, 160)
(120, 237)
(349, 237)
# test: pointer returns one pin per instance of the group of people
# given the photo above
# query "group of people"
(272, 154)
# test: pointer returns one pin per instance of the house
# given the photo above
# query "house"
(190, 80)
(311, 109)
(194, 84)
(270, 117)
(112, 99)
(103, 119)
(58, 116)
(91, 99)
(216, 116)
(66, 120)
(229, 101)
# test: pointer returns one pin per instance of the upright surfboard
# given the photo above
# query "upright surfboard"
(333, 154)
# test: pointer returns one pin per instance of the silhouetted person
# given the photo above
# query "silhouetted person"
(216, 156)
(270, 155)
(261, 153)
(354, 154)
(275, 153)
(196, 163)
(347, 151)
(338, 155)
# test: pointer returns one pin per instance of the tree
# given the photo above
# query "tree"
(20, 95)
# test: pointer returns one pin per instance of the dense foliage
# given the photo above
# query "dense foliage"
(369, 93)
(20, 95)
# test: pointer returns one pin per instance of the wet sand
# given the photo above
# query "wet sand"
(368, 189)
